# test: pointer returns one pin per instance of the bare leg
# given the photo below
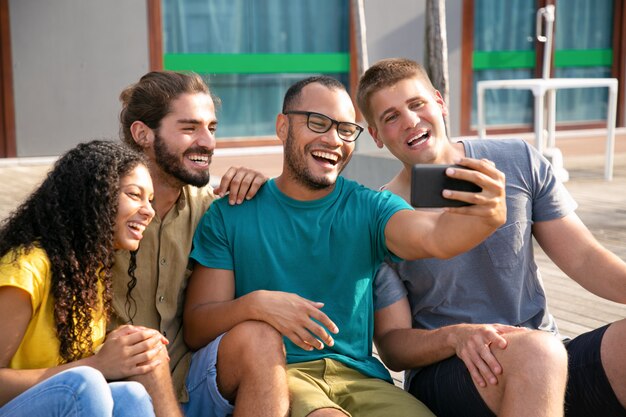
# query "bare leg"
(251, 370)
(614, 358)
(534, 377)
(159, 385)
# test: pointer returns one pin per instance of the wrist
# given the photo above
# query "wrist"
(254, 301)
(451, 336)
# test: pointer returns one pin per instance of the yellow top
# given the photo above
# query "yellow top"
(40, 346)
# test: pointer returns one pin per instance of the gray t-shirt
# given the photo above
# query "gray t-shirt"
(498, 281)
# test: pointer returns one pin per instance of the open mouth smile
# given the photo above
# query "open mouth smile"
(418, 139)
(199, 159)
(136, 229)
(326, 157)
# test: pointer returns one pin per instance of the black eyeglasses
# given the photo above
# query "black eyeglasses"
(320, 123)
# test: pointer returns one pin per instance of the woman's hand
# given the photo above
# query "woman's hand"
(128, 351)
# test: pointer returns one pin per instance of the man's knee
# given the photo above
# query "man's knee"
(535, 352)
(251, 345)
(253, 340)
(250, 354)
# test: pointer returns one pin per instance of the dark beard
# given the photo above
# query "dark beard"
(298, 168)
(171, 164)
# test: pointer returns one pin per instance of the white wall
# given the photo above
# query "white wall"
(71, 59)
(396, 28)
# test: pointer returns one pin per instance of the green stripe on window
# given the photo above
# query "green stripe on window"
(587, 58)
(258, 63)
(503, 60)
(526, 59)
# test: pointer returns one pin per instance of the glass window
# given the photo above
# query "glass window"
(504, 48)
(251, 51)
(583, 40)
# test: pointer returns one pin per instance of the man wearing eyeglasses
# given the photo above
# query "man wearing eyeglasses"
(301, 257)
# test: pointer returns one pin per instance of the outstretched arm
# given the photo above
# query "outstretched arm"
(572, 247)
(212, 309)
(443, 234)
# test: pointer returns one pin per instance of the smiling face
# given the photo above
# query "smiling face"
(185, 139)
(409, 121)
(314, 160)
(134, 211)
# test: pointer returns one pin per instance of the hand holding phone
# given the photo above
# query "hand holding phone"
(428, 182)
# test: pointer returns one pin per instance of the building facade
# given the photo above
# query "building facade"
(64, 63)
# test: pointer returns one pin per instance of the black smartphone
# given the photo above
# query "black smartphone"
(428, 182)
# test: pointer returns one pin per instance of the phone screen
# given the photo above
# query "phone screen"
(428, 182)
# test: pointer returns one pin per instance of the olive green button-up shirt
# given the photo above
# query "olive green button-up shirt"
(162, 273)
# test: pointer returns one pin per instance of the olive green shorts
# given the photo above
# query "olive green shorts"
(326, 383)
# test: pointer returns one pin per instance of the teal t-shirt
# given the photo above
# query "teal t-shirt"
(324, 250)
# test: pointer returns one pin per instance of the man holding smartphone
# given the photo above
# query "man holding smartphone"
(301, 257)
(475, 332)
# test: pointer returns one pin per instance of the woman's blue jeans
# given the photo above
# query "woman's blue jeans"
(80, 391)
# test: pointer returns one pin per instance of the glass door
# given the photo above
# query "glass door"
(504, 46)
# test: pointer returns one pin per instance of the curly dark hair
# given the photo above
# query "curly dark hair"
(71, 216)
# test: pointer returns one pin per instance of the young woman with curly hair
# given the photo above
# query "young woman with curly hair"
(56, 253)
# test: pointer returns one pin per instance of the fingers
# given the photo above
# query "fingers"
(137, 342)
(316, 336)
(483, 366)
(146, 345)
(476, 346)
(310, 337)
(143, 332)
(152, 357)
(240, 184)
(481, 172)
(131, 350)
(300, 320)
(483, 165)
(321, 317)
(491, 201)
(475, 374)
(304, 339)
(311, 333)
(146, 362)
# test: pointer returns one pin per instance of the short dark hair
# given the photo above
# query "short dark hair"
(292, 96)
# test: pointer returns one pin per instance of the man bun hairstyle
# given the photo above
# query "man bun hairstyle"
(149, 100)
